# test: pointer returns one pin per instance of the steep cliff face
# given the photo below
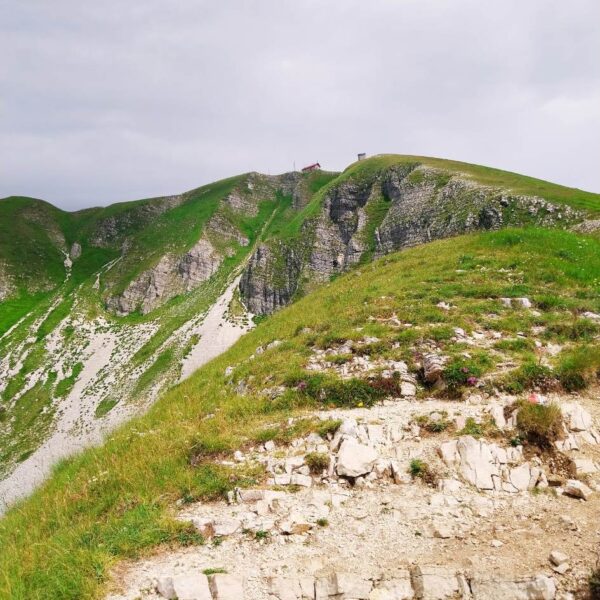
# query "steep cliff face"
(426, 204)
(172, 275)
(373, 212)
(272, 276)
(6, 285)
(112, 229)
(337, 243)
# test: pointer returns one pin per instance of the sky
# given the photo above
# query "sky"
(108, 101)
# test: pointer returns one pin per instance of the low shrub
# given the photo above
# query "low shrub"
(420, 469)
(328, 427)
(214, 571)
(577, 368)
(514, 345)
(386, 386)
(576, 330)
(433, 425)
(487, 427)
(539, 424)
(317, 462)
(339, 359)
(344, 392)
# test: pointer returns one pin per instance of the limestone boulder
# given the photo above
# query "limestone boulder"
(539, 587)
(477, 462)
(355, 459)
(225, 587)
(576, 417)
(577, 489)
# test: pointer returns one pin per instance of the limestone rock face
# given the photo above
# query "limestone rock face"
(75, 251)
(265, 285)
(226, 587)
(113, 230)
(171, 276)
(176, 272)
(488, 466)
(436, 583)
(576, 417)
(433, 367)
(337, 241)
(577, 489)
(192, 587)
(476, 463)
(415, 204)
(199, 264)
(6, 285)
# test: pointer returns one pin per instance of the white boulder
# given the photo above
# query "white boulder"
(576, 417)
(577, 489)
(355, 459)
(225, 587)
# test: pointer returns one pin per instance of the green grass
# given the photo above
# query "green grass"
(27, 244)
(163, 361)
(64, 386)
(31, 419)
(105, 406)
(578, 367)
(115, 502)
(175, 230)
(16, 308)
(376, 211)
(317, 462)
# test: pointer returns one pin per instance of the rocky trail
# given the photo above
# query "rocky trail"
(394, 505)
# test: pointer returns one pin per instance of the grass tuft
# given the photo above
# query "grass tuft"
(539, 424)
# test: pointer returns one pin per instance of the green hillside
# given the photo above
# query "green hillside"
(116, 502)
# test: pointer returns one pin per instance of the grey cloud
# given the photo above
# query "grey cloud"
(102, 102)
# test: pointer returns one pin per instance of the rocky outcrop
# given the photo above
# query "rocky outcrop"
(272, 277)
(75, 251)
(399, 207)
(337, 240)
(329, 244)
(490, 467)
(114, 229)
(199, 264)
(171, 276)
(6, 285)
(588, 226)
(424, 207)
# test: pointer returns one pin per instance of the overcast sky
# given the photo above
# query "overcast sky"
(108, 101)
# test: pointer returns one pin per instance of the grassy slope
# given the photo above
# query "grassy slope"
(114, 502)
(25, 243)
